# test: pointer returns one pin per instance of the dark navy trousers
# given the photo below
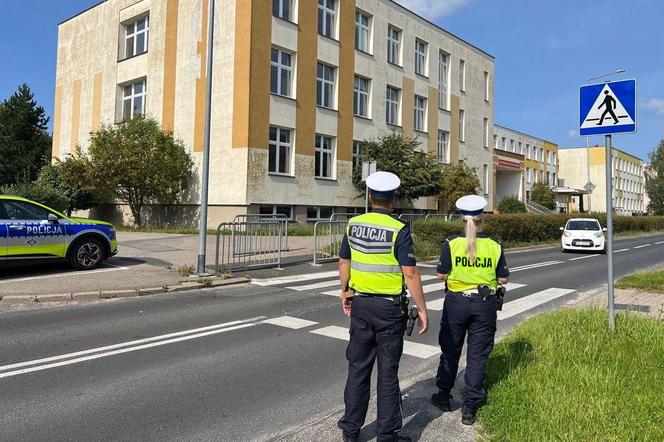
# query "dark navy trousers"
(377, 327)
(477, 318)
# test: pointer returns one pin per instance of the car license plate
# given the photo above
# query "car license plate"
(584, 243)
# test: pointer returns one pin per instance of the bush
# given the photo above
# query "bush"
(511, 204)
(65, 177)
(42, 193)
(428, 236)
(543, 195)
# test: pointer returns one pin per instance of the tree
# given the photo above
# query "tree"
(69, 178)
(511, 204)
(42, 193)
(419, 171)
(655, 180)
(24, 140)
(543, 195)
(138, 163)
(458, 181)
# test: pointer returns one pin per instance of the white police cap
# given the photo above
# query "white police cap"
(471, 205)
(383, 184)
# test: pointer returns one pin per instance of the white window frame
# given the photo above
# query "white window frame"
(495, 141)
(421, 57)
(279, 145)
(504, 143)
(486, 86)
(512, 148)
(485, 128)
(527, 150)
(283, 69)
(322, 150)
(133, 97)
(134, 35)
(361, 96)
(324, 11)
(327, 86)
(441, 145)
(462, 125)
(394, 45)
(420, 114)
(520, 147)
(485, 179)
(280, 10)
(462, 75)
(392, 105)
(364, 30)
(443, 79)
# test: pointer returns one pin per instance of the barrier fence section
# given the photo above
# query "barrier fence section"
(327, 240)
(257, 218)
(245, 245)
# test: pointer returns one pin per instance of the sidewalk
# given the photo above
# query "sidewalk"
(649, 304)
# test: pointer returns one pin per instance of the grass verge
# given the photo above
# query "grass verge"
(565, 376)
(652, 281)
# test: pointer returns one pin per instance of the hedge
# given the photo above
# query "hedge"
(428, 235)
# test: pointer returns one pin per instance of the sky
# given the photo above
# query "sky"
(544, 51)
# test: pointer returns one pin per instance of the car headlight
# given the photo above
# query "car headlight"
(567, 234)
(599, 235)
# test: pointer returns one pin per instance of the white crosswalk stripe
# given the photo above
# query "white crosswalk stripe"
(295, 278)
(318, 285)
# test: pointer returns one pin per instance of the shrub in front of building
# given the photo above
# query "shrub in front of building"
(511, 204)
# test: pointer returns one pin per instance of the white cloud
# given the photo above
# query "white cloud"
(433, 9)
(656, 104)
(572, 133)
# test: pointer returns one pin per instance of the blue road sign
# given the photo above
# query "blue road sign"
(608, 108)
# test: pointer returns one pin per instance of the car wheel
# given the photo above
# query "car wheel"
(86, 254)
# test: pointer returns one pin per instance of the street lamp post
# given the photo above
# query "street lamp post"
(205, 178)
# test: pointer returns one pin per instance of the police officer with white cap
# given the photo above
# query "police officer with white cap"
(376, 258)
(473, 265)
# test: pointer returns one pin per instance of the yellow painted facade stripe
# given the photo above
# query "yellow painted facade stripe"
(432, 123)
(307, 54)
(201, 81)
(57, 116)
(96, 101)
(75, 115)
(454, 130)
(346, 80)
(407, 106)
(170, 65)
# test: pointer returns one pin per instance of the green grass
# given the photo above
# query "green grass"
(564, 376)
(652, 281)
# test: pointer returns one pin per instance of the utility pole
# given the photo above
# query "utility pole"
(205, 178)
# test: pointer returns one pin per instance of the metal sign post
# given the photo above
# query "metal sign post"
(605, 109)
(368, 168)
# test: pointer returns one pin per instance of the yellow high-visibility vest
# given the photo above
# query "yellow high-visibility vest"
(466, 275)
(374, 268)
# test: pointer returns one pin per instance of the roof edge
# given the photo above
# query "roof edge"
(82, 12)
(602, 147)
(523, 133)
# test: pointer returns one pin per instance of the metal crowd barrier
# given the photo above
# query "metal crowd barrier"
(327, 240)
(257, 218)
(247, 245)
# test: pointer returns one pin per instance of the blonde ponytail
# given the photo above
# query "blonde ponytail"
(471, 235)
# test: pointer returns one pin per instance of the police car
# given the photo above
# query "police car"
(30, 231)
(584, 234)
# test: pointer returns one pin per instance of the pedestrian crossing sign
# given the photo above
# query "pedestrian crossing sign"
(608, 108)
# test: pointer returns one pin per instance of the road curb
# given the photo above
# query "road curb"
(115, 294)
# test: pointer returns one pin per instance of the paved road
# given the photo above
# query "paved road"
(263, 361)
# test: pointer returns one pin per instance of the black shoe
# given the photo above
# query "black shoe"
(348, 438)
(442, 401)
(467, 415)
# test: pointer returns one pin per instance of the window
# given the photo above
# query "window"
(421, 50)
(361, 97)
(283, 9)
(420, 114)
(485, 179)
(443, 78)
(485, 128)
(486, 86)
(495, 141)
(462, 125)
(327, 17)
(133, 101)
(325, 86)
(520, 148)
(276, 210)
(324, 156)
(527, 150)
(442, 146)
(281, 73)
(393, 45)
(511, 145)
(504, 143)
(21, 210)
(528, 174)
(462, 75)
(136, 37)
(280, 147)
(362, 32)
(316, 213)
(356, 154)
(392, 105)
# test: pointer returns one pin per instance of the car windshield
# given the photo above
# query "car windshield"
(582, 225)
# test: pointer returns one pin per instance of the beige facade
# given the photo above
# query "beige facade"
(284, 126)
(580, 165)
(520, 161)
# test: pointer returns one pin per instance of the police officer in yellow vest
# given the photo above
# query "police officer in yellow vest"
(376, 259)
(473, 265)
